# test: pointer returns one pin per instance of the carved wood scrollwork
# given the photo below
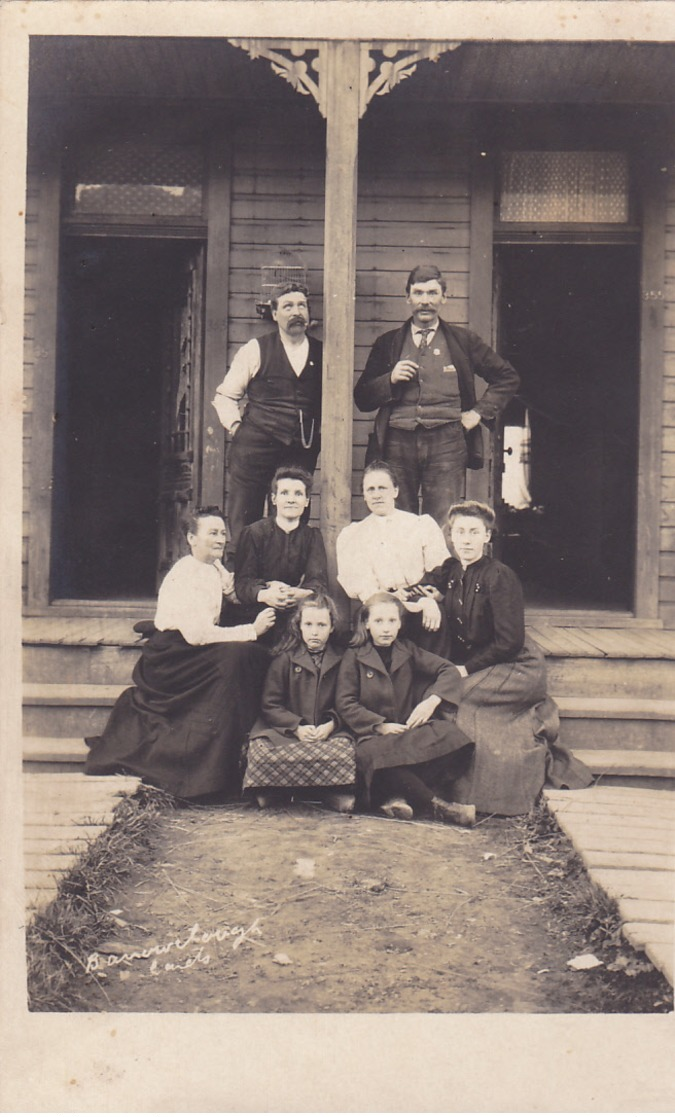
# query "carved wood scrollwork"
(391, 63)
(383, 65)
(293, 61)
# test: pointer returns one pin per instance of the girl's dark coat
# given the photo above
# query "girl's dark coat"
(296, 693)
(368, 695)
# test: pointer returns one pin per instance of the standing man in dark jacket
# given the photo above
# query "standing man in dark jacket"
(280, 373)
(420, 376)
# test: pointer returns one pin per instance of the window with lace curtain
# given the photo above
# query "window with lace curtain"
(564, 186)
(137, 179)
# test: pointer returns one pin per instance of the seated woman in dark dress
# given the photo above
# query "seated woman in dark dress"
(392, 695)
(279, 559)
(504, 706)
(196, 686)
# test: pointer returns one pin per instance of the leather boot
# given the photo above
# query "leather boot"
(458, 814)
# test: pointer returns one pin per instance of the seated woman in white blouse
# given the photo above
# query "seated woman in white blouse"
(393, 551)
(197, 685)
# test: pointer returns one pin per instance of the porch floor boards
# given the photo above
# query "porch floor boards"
(605, 643)
(626, 839)
(565, 639)
(90, 631)
(62, 813)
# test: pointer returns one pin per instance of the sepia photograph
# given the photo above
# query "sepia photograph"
(340, 550)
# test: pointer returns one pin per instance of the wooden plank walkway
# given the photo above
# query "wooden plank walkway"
(626, 839)
(62, 813)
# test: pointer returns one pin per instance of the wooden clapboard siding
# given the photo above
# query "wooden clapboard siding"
(277, 201)
(414, 207)
(667, 536)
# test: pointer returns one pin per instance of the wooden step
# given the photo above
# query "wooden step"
(54, 754)
(71, 694)
(608, 724)
(625, 762)
(640, 677)
(96, 649)
(633, 709)
(67, 709)
(82, 663)
(602, 762)
(630, 768)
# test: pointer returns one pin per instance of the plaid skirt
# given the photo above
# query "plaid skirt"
(294, 763)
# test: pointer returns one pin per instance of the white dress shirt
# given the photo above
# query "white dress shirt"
(388, 553)
(245, 365)
(190, 599)
(418, 330)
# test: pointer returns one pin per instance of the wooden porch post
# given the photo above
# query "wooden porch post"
(342, 76)
(47, 234)
(652, 310)
(478, 482)
(217, 313)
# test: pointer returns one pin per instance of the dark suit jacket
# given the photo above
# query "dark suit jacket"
(470, 356)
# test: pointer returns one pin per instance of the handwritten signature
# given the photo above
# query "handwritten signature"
(195, 937)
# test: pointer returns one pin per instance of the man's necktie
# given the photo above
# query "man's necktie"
(424, 340)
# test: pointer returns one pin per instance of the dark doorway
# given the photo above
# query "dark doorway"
(569, 322)
(118, 357)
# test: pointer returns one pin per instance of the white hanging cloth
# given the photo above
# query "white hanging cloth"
(516, 475)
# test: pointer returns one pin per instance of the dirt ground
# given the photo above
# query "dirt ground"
(302, 910)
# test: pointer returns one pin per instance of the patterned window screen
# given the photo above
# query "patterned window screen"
(564, 186)
(138, 179)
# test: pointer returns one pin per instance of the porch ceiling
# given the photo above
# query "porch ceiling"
(88, 66)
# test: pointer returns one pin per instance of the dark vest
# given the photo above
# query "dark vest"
(432, 399)
(286, 406)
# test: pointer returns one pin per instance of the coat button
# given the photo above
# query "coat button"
(370, 674)
(297, 670)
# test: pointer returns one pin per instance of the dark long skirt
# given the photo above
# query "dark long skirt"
(412, 747)
(182, 726)
(505, 709)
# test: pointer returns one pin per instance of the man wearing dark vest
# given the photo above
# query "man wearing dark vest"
(421, 378)
(280, 373)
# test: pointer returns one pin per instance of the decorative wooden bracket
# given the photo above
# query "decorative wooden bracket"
(393, 62)
(383, 65)
(292, 60)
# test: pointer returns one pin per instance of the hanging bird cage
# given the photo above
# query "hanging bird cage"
(287, 267)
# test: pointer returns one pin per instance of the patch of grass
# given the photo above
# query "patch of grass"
(627, 981)
(60, 939)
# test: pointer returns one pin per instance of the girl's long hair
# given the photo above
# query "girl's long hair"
(292, 639)
(361, 634)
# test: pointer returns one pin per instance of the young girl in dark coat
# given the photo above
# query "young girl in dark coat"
(298, 744)
(392, 695)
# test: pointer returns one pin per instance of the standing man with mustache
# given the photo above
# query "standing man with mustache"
(280, 373)
(421, 377)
